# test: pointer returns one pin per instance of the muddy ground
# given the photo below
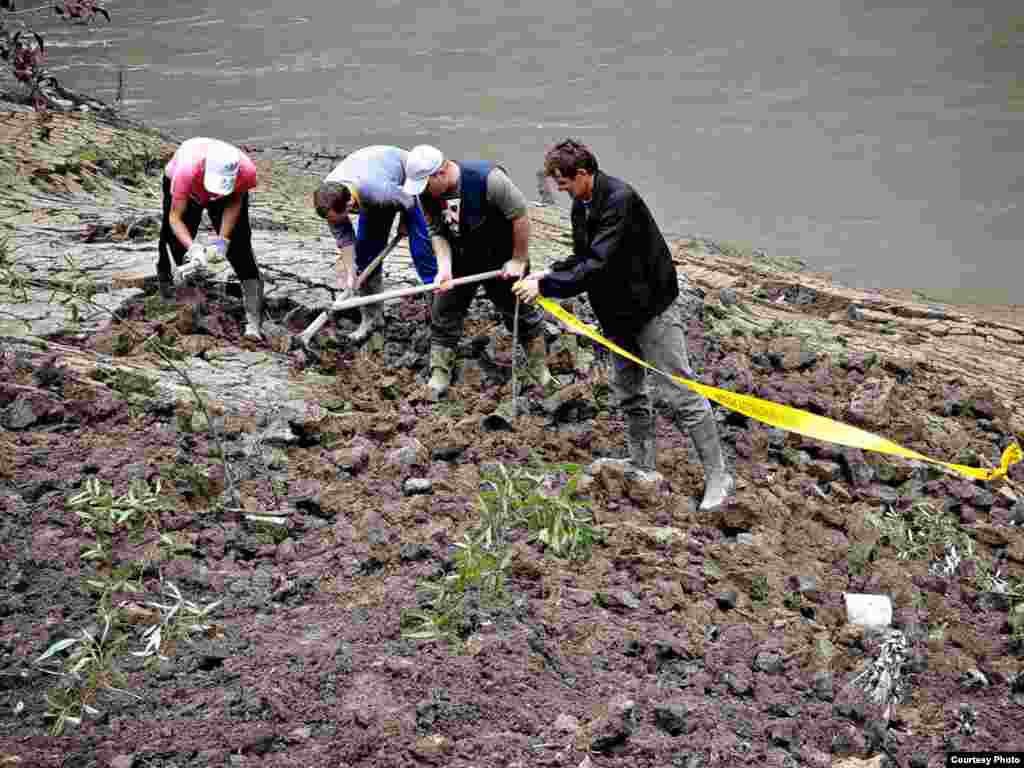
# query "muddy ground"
(674, 639)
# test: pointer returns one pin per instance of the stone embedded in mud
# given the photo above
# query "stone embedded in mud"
(675, 719)
(618, 600)
(727, 600)
(417, 485)
(738, 682)
(613, 729)
(823, 686)
(355, 457)
(18, 415)
(869, 403)
(279, 432)
(858, 470)
(565, 723)
(305, 495)
(769, 662)
(644, 487)
(825, 471)
(406, 456)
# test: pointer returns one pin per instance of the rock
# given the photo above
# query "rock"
(417, 485)
(674, 719)
(858, 471)
(728, 297)
(18, 415)
(566, 723)
(613, 729)
(279, 432)
(869, 403)
(738, 684)
(431, 747)
(305, 495)
(414, 552)
(644, 487)
(797, 583)
(496, 422)
(825, 471)
(727, 600)
(868, 610)
(123, 761)
(285, 551)
(405, 457)
(769, 662)
(447, 452)
(355, 457)
(618, 600)
(823, 686)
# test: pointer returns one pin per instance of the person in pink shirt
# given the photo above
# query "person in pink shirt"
(211, 175)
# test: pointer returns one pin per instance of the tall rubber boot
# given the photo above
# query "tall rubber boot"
(252, 299)
(372, 314)
(166, 286)
(537, 363)
(642, 446)
(442, 360)
(718, 483)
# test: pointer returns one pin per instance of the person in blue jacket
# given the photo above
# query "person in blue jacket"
(369, 183)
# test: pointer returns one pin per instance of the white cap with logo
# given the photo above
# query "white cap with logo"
(222, 163)
(423, 162)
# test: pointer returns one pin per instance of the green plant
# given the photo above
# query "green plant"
(87, 669)
(759, 588)
(515, 499)
(793, 601)
(123, 578)
(179, 620)
(922, 531)
(858, 556)
(102, 513)
(560, 521)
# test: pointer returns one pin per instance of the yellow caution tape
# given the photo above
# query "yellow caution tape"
(786, 417)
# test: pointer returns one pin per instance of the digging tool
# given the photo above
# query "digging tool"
(307, 335)
(401, 293)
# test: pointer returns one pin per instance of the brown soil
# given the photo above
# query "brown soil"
(683, 640)
(631, 657)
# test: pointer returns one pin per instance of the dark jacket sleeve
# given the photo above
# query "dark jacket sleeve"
(573, 276)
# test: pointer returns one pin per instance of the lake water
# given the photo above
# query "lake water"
(877, 141)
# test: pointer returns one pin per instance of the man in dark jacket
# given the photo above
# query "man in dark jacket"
(623, 263)
(477, 207)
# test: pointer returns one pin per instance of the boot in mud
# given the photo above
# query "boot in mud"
(537, 365)
(166, 285)
(442, 360)
(372, 314)
(718, 483)
(252, 298)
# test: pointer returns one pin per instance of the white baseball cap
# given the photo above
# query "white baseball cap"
(222, 162)
(423, 161)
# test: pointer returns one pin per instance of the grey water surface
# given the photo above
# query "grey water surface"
(877, 141)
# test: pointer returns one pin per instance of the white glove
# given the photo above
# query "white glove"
(197, 255)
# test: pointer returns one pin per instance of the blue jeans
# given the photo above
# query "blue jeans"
(372, 236)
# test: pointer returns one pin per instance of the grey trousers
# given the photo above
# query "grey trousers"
(662, 343)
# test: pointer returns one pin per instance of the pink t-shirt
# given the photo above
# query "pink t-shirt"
(185, 170)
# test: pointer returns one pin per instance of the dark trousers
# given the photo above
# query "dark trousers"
(449, 309)
(240, 254)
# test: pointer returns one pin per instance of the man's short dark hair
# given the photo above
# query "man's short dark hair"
(569, 156)
(331, 196)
